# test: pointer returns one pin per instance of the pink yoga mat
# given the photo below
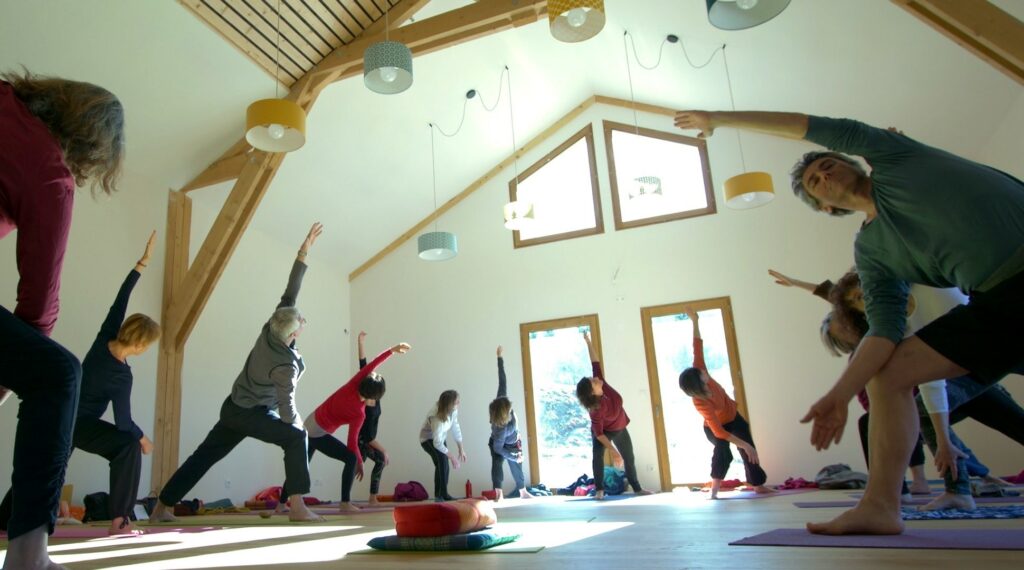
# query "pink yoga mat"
(724, 496)
(87, 531)
(948, 539)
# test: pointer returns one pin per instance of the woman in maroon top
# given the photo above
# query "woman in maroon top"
(608, 421)
(54, 134)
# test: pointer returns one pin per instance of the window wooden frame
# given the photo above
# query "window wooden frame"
(587, 133)
(524, 340)
(702, 148)
(646, 315)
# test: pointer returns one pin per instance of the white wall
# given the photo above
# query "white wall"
(454, 313)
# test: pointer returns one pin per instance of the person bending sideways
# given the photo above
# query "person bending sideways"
(930, 217)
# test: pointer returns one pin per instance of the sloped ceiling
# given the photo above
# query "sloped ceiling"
(365, 170)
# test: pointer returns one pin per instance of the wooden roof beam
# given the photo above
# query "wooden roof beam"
(979, 26)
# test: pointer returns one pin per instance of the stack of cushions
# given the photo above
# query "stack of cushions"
(443, 519)
(473, 541)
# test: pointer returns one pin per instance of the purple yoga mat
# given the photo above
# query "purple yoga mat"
(724, 496)
(948, 539)
(921, 501)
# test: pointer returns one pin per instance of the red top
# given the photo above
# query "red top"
(720, 409)
(37, 193)
(345, 407)
(611, 416)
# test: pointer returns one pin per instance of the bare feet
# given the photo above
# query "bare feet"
(300, 512)
(348, 508)
(281, 508)
(643, 492)
(992, 479)
(161, 514)
(28, 552)
(523, 494)
(906, 499)
(121, 526)
(950, 501)
(373, 502)
(762, 490)
(599, 496)
(865, 518)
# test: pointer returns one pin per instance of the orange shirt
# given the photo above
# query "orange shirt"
(720, 408)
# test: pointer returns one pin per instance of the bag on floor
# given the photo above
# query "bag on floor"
(97, 507)
(840, 476)
(411, 491)
(614, 481)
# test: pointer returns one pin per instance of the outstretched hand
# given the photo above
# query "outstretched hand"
(362, 337)
(401, 348)
(690, 313)
(144, 260)
(695, 120)
(781, 279)
(586, 336)
(829, 418)
(314, 232)
(500, 351)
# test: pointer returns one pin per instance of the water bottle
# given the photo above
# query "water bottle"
(469, 489)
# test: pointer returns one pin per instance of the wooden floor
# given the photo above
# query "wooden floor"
(670, 530)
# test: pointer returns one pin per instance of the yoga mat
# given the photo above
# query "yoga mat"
(87, 531)
(237, 520)
(501, 549)
(946, 539)
(1001, 499)
(921, 501)
(732, 495)
(1007, 512)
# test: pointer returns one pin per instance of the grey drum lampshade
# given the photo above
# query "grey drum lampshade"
(743, 14)
(437, 246)
(387, 67)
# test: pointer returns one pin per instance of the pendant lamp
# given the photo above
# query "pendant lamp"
(743, 14)
(275, 125)
(387, 65)
(519, 213)
(436, 245)
(750, 189)
(575, 20)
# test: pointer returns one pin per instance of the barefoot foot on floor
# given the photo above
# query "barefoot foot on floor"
(950, 501)
(865, 518)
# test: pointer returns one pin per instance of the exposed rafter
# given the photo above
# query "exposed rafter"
(979, 26)
(426, 36)
(187, 289)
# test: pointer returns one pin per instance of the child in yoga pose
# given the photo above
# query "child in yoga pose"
(505, 444)
(723, 424)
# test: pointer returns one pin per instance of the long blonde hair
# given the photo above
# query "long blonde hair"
(446, 405)
(87, 121)
(501, 411)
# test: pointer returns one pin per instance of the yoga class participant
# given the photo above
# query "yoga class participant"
(347, 406)
(723, 424)
(107, 379)
(261, 405)
(608, 421)
(930, 217)
(505, 444)
(54, 134)
(441, 419)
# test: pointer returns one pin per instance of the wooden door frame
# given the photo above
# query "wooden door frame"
(646, 315)
(525, 329)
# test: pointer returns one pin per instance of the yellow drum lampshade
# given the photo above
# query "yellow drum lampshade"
(519, 215)
(275, 125)
(575, 20)
(749, 190)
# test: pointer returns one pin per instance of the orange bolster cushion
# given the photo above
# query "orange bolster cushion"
(443, 519)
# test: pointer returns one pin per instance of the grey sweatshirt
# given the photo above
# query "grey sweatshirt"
(505, 439)
(273, 368)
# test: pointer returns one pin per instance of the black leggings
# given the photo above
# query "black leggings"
(124, 453)
(373, 454)
(722, 456)
(440, 469)
(331, 447)
(625, 446)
